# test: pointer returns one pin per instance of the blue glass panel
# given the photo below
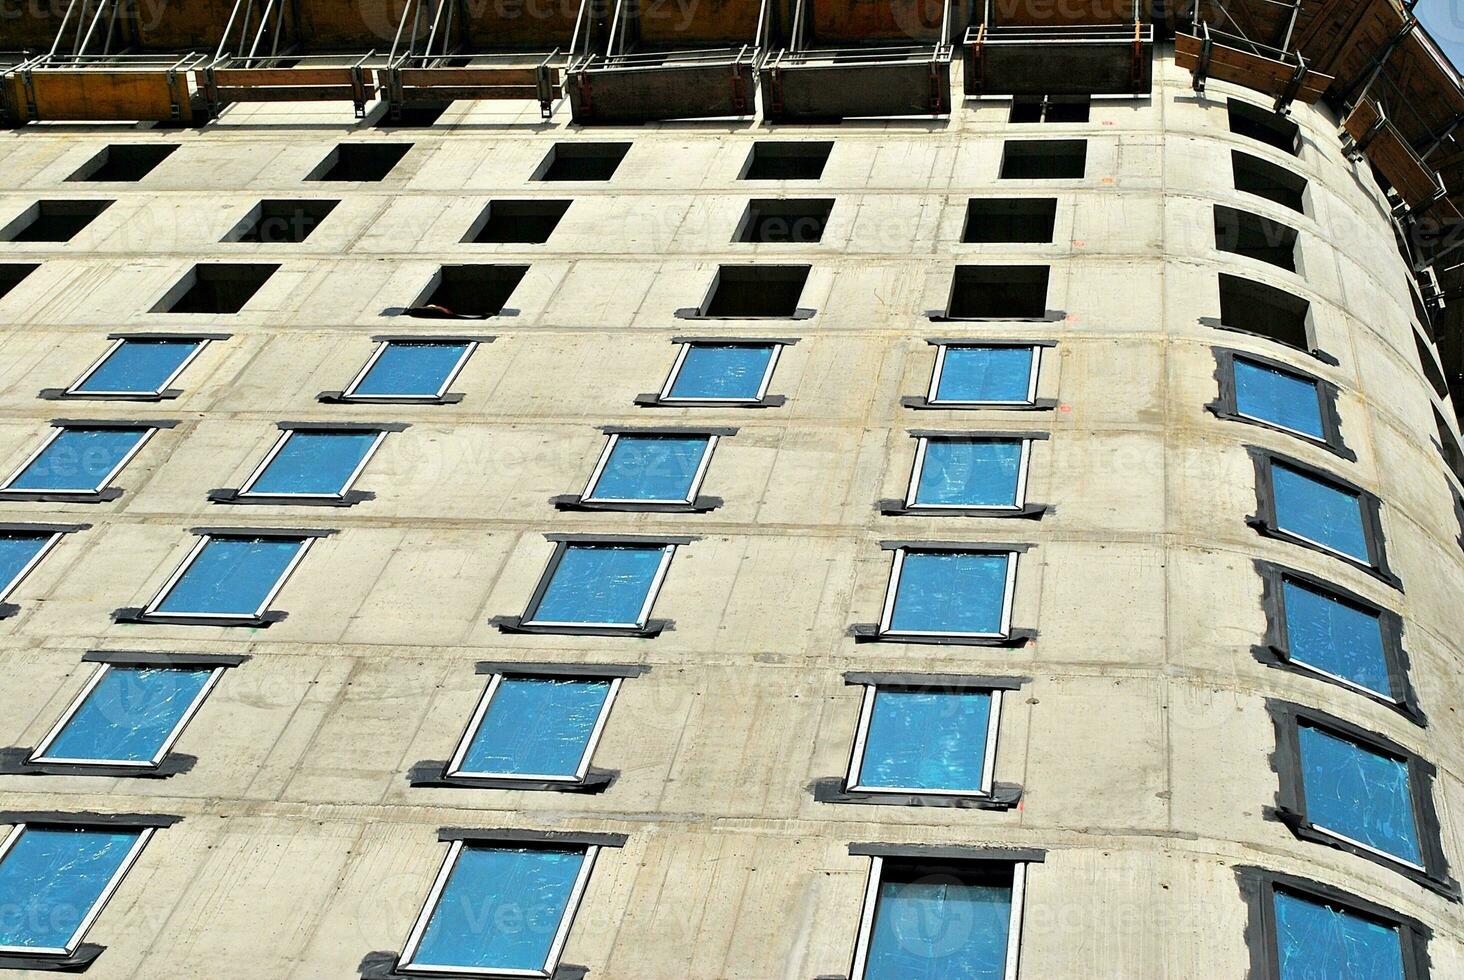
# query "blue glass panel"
(500, 908)
(604, 585)
(1319, 512)
(139, 366)
(926, 740)
(537, 726)
(129, 714)
(969, 473)
(51, 878)
(405, 369)
(1336, 637)
(1316, 941)
(78, 459)
(231, 576)
(1358, 793)
(16, 552)
(1278, 398)
(658, 468)
(721, 371)
(315, 463)
(950, 592)
(985, 374)
(939, 927)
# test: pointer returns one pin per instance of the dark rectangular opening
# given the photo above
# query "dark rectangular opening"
(1007, 292)
(522, 222)
(1254, 307)
(216, 288)
(1255, 237)
(581, 161)
(787, 161)
(281, 222)
(1009, 219)
(53, 221)
(1449, 447)
(756, 291)
(1263, 125)
(469, 290)
(360, 161)
(124, 162)
(413, 116)
(1430, 365)
(12, 273)
(1264, 179)
(1050, 108)
(782, 220)
(1044, 159)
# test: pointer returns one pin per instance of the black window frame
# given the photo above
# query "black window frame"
(1258, 887)
(1275, 648)
(1265, 523)
(1290, 800)
(1226, 405)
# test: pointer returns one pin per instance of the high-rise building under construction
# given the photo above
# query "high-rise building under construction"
(868, 489)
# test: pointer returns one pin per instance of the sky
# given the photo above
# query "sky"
(1444, 19)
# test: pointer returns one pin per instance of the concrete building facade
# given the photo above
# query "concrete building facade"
(1145, 797)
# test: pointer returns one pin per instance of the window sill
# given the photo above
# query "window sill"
(1336, 448)
(695, 313)
(870, 633)
(898, 508)
(654, 400)
(1320, 355)
(387, 966)
(1436, 881)
(341, 398)
(432, 773)
(921, 402)
(135, 614)
(1266, 530)
(83, 957)
(61, 394)
(13, 762)
(516, 624)
(348, 499)
(1048, 316)
(105, 495)
(833, 789)
(574, 502)
(1281, 660)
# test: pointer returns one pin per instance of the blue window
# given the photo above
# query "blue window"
(984, 375)
(601, 585)
(407, 370)
(499, 909)
(55, 880)
(948, 922)
(1319, 512)
(720, 372)
(312, 463)
(965, 473)
(138, 366)
(1334, 636)
(229, 577)
(651, 468)
(78, 459)
(1359, 793)
(127, 716)
(1321, 940)
(535, 728)
(1278, 397)
(949, 593)
(21, 551)
(926, 740)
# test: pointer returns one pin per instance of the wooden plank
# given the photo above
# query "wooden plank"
(287, 93)
(100, 94)
(246, 77)
(430, 77)
(1251, 70)
(1415, 181)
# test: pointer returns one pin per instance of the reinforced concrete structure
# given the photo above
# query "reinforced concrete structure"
(803, 490)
